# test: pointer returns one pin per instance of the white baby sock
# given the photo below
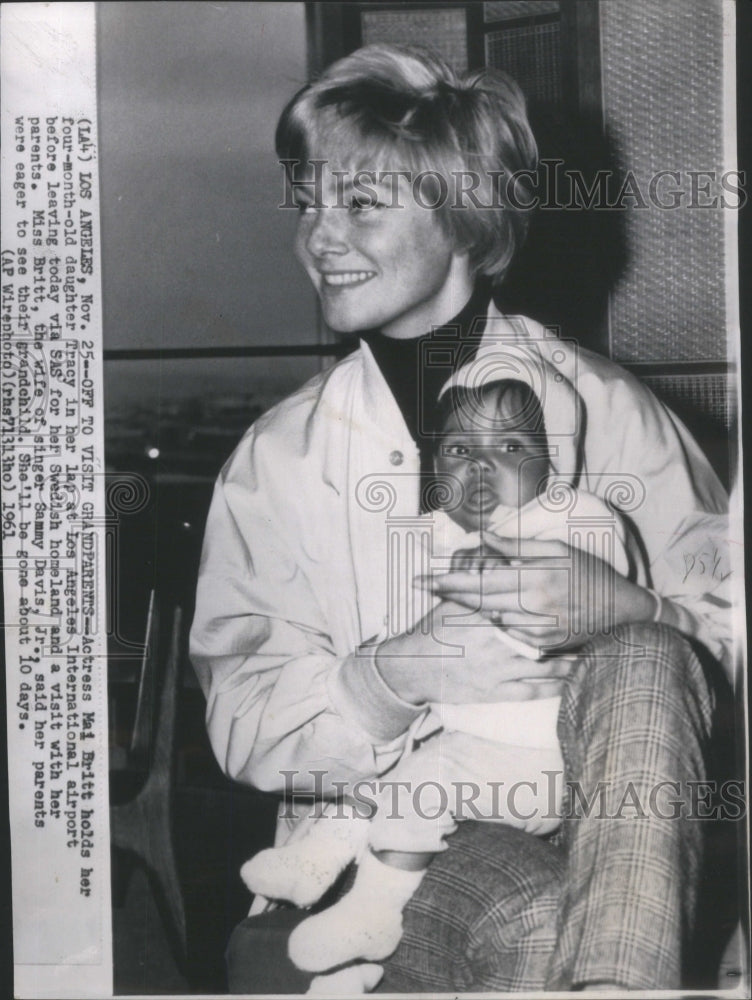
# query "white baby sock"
(366, 923)
(302, 871)
(351, 981)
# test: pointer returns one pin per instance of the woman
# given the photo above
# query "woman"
(411, 187)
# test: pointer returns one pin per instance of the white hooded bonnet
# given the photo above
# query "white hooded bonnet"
(559, 400)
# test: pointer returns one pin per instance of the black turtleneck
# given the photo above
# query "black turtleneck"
(416, 369)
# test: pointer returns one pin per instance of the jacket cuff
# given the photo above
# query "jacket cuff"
(358, 690)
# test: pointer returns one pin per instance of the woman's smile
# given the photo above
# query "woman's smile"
(345, 279)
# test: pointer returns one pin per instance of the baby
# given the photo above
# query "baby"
(495, 761)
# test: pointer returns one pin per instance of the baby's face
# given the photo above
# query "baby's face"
(494, 466)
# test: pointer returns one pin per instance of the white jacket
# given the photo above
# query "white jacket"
(294, 576)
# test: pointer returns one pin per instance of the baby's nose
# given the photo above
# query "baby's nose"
(485, 461)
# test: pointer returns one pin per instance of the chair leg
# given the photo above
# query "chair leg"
(122, 871)
(144, 825)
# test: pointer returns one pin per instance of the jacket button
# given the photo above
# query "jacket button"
(396, 458)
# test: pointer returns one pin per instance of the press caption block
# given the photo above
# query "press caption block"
(53, 502)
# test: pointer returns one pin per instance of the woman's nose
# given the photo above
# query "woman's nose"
(328, 234)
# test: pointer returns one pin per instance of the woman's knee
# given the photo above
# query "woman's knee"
(484, 916)
(644, 655)
(644, 687)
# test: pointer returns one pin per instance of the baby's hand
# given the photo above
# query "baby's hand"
(477, 558)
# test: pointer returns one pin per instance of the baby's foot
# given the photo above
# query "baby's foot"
(352, 981)
(344, 932)
(366, 923)
(300, 872)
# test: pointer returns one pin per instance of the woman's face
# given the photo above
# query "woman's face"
(379, 260)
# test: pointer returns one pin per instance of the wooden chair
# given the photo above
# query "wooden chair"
(142, 825)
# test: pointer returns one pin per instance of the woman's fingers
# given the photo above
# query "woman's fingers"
(510, 668)
(466, 608)
(512, 609)
(540, 637)
(467, 559)
(504, 579)
(498, 574)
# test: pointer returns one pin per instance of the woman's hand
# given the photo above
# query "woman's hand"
(456, 658)
(555, 597)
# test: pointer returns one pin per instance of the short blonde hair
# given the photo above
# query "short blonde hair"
(402, 107)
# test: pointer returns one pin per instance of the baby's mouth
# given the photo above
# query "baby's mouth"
(481, 498)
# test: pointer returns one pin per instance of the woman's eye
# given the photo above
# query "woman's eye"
(457, 450)
(364, 203)
(304, 205)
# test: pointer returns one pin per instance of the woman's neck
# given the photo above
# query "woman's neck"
(414, 383)
(437, 310)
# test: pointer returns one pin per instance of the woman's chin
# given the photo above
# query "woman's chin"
(345, 324)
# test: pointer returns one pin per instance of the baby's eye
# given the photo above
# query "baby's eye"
(510, 447)
(457, 450)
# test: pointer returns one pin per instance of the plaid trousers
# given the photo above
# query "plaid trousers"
(611, 897)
